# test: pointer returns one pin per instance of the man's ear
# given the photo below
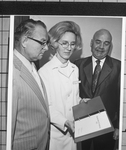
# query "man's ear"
(110, 49)
(91, 42)
(24, 40)
(111, 46)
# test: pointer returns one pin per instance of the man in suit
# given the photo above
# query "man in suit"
(108, 85)
(30, 113)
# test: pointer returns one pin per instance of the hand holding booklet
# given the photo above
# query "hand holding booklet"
(91, 120)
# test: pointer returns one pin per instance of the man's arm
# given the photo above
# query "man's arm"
(15, 97)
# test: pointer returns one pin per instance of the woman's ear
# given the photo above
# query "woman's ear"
(54, 45)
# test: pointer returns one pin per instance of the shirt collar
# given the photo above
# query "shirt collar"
(94, 62)
(101, 61)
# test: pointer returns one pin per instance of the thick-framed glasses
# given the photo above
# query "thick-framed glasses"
(40, 42)
(67, 44)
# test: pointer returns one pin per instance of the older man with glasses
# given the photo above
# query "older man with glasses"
(30, 115)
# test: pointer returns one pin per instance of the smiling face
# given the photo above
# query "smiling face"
(33, 50)
(100, 44)
(66, 46)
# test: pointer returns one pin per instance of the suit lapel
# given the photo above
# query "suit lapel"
(29, 79)
(88, 70)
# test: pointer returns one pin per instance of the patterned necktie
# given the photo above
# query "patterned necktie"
(96, 75)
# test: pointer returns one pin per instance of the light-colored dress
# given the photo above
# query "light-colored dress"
(62, 87)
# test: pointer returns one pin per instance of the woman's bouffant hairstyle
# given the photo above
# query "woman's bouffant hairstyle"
(58, 30)
(26, 28)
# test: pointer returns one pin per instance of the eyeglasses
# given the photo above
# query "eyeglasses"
(67, 44)
(41, 43)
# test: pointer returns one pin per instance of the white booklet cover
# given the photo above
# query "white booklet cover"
(91, 124)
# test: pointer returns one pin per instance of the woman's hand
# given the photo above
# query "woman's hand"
(70, 125)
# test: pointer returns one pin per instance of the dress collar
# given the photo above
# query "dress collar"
(57, 63)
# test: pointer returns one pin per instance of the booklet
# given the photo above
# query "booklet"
(91, 120)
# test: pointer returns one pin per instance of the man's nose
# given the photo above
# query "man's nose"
(101, 45)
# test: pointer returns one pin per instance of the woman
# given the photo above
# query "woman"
(61, 80)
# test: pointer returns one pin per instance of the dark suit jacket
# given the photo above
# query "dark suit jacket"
(30, 113)
(108, 85)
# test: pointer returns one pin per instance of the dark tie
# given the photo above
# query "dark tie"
(96, 75)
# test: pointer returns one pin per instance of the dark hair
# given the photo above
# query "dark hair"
(26, 28)
(58, 30)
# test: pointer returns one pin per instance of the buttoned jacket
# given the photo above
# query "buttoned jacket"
(60, 102)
